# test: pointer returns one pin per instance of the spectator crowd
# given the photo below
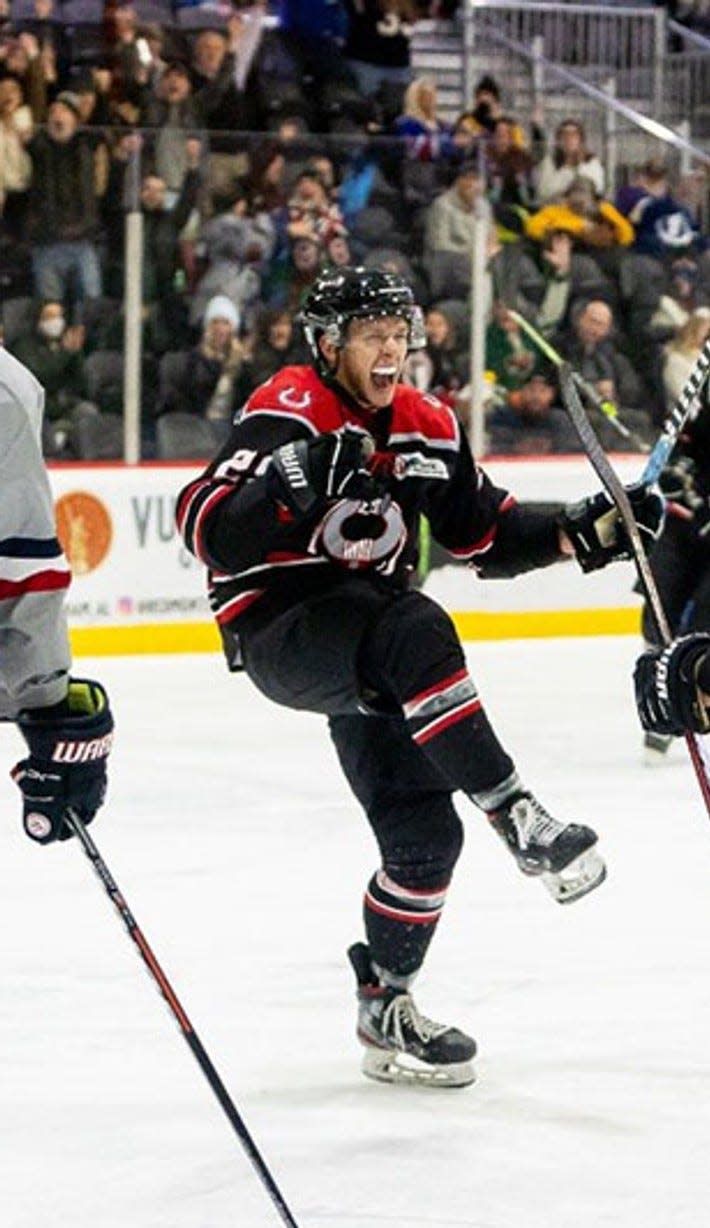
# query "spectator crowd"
(262, 146)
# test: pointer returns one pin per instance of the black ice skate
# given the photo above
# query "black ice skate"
(561, 854)
(401, 1046)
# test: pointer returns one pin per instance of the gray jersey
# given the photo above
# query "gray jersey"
(34, 574)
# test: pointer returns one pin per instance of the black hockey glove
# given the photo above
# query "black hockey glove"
(309, 473)
(668, 682)
(595, 529)
(66, 766)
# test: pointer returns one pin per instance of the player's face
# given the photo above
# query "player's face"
(371, 360)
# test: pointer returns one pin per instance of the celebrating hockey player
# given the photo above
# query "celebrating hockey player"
(308, 523)
(66, 722)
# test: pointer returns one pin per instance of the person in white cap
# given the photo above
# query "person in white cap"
(216, 380)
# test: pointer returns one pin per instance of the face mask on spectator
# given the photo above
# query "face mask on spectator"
(52, 328)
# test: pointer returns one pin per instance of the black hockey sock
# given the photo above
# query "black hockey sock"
(400, 923)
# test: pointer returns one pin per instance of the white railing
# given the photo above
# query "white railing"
(624, 39)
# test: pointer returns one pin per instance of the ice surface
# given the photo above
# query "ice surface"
(243, 858)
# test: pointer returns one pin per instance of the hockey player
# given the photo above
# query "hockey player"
(307, 521)
(680, 560)
(66, 722)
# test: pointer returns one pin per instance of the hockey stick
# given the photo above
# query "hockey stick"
(613, 485)
(678, 416)
(235, 1120)
(605, 406)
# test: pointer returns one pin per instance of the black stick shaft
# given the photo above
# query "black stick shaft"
(199, 1053)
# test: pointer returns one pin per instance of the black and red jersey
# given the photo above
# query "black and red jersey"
(252, 545)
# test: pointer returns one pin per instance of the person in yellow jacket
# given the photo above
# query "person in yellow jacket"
(589, 218)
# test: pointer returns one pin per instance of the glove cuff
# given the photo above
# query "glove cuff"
(77, 731)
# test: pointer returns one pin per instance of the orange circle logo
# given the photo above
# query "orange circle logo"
(84, 529)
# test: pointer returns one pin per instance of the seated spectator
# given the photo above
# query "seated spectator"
(480, 120)
(528, 421)
(324, 167)
(53, 352)
(681, 352)
(310, 211)
(378, 45)
(568, 276)
(16, 125)
(682, 293)
(588, 345)
(596, 226)
(509, 170)
(426, 135)
(237, 247)
(338, 251)
(510, 354)
(216, 380)
(292, 273)
(569, 159)
(441, 367)
(264, 185)
(664, 228)
(276, 345)
(449, 232)
(63, 210)
(591, 220)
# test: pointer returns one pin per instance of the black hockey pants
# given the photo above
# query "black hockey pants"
(408, 726)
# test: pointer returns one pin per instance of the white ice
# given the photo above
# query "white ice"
(243, 858)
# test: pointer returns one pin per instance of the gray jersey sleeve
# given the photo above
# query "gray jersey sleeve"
(34, 574)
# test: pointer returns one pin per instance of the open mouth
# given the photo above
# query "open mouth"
(384, 377)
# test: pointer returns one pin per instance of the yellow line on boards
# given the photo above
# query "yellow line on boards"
(144, 638)
(471, 625)
(536, 624)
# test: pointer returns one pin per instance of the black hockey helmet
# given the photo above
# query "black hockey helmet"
(355, 293)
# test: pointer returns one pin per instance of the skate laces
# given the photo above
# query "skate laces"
(533, 821)
(401, 1016)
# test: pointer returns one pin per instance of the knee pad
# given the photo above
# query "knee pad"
(422, 855)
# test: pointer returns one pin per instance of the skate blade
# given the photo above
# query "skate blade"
(388, 1066)
(577, 879)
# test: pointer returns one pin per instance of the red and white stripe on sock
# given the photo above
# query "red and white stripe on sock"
(435, 709)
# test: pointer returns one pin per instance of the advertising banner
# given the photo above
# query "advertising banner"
(136, 589)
